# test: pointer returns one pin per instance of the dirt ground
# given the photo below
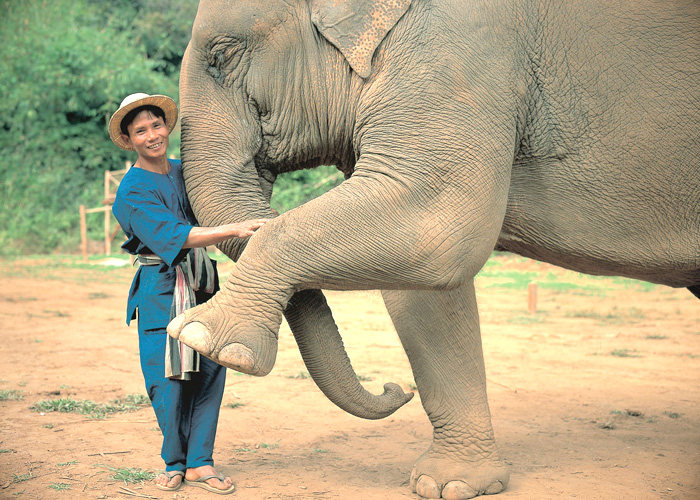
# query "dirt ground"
(595, 396)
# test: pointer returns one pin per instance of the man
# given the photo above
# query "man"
(175, 273)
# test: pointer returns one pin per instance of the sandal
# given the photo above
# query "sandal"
(201, 482)
(170, 475)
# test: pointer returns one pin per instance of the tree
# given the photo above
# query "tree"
(63, 71)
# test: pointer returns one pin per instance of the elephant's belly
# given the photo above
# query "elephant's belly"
(602, 228)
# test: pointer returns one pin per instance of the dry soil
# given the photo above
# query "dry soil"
(595, 396)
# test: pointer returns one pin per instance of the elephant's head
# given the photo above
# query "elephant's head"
(270, 87)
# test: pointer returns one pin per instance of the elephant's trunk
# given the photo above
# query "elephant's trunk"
(323, 353)
(219, 141)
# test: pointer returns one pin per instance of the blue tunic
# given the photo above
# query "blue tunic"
(156, 217)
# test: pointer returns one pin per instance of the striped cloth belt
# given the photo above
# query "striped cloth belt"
(194, 273)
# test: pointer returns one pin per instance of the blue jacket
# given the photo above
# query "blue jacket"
(156, 217)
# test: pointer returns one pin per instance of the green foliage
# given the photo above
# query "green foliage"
(59, 486)
(626, 353)
(295, 188)
(64, 69)
(130, 402)
(161, 27)
(20, 478)
(131, 474)
(11, 395)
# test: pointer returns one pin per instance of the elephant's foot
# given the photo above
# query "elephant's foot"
(235, 343)
(439, 476)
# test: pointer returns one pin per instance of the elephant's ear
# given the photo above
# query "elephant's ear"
(357, 27)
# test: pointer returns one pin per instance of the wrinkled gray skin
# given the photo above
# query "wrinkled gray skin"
(562, 131)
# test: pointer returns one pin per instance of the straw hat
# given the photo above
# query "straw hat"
(137, 100)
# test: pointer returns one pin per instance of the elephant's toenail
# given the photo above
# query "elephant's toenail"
(175, 326)
(496, 487)
(458, 490)
(196, 335)
(427, 487)
(238, 357)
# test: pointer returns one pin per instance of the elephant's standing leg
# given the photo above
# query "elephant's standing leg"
(440, 332)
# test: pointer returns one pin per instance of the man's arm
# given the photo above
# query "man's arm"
(205, 236)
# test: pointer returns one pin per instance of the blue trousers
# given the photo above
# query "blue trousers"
(187, 411)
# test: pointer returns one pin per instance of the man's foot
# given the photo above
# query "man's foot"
(206, 477)
(169, 480)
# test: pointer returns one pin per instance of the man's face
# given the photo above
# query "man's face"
(148, 135)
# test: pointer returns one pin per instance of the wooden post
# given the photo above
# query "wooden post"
(532, 298)
(108, 240)
(83, 233)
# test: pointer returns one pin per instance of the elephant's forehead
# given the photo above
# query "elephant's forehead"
(216, 17)
(241, 17)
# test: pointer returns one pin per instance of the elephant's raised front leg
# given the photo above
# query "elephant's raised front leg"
(371, 232)
(440, 332)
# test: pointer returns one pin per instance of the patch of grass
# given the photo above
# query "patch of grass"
(510, 280)
(131, 474)
(128, 403)
(320, 450)
(6, 450)
(364, 378)
(269, 446)
(18, 299)
(588, 314)
(58, 314)
(626, 283)
(656, 337)
(244, 450)
(627, 413)
(20, 478)
(47, 426)
(63, 464)
(672, 414)
(526, 320)
(614, 316)
(300, 375)
(59, 486)
(609, 425)
(626, 353)
(11, 395)
(98, 295)
(132, 401)
(565, 286)
(234, 405)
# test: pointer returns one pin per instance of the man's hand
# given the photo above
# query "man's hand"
(205, 236)
(247, 227)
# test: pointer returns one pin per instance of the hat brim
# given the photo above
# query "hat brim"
(160, 101)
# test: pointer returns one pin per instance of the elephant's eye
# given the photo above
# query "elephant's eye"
(223, 58)
(214, 68)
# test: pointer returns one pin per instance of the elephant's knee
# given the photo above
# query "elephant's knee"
(452, 269)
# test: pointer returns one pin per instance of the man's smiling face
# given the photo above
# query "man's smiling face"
(148, 135)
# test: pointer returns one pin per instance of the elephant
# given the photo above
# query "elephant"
(566, 132)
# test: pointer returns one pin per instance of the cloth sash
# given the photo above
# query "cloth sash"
(194, 273)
